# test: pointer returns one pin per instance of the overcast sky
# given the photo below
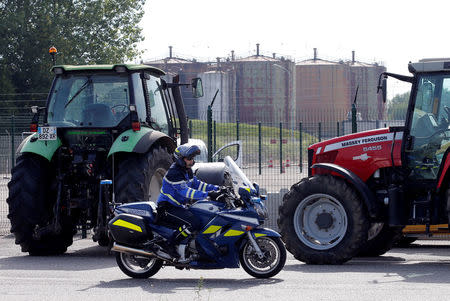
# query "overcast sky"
(390, 32)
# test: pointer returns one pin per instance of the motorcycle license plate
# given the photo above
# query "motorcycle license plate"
(47, 133)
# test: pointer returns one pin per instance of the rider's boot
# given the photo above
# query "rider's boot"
(182, 253)
(182, 239)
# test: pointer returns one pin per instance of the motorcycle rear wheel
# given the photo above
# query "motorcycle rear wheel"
(272, 262)
(137, 266)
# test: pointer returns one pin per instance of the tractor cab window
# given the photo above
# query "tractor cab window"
(430, 126)
(89, 100)
(158, 113)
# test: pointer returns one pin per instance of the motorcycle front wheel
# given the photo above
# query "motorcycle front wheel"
(137, 266)
(272, 261)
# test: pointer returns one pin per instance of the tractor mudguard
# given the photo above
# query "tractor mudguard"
(140, 141)
(356, 182)
(44, 148)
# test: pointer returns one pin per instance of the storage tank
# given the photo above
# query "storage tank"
(325, 91)
(322, 94)
(222, 109)
(187, 70)
(369, 103)
(264, 89)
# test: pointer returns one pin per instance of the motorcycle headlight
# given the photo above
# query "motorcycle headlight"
(261, 211)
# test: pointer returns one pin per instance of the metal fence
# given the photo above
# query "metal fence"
(274, 153)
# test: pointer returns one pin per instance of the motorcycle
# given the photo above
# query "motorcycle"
(232, 234)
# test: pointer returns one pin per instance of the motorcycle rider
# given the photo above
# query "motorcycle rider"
(179, 188)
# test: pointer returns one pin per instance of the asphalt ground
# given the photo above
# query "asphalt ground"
(87, 272)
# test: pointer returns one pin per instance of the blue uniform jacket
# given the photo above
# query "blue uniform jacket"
(180, 186)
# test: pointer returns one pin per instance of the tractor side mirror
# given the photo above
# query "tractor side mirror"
(197, 87)
(384, 89)
(382, 85)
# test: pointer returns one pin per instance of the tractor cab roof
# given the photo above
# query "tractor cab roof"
(430, 65)
(59, 69)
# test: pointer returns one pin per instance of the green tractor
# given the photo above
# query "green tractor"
(106, 137)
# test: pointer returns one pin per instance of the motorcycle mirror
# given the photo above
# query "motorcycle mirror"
(256, 185)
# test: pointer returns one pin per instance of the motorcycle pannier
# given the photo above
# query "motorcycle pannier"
(128, 229)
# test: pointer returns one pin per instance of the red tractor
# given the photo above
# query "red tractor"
(363, 188)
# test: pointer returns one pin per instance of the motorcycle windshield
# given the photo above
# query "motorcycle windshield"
(239, 178)
(89, 100)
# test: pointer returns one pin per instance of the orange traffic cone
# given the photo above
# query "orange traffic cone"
(288, 163)
(283, 170)
(270, 163)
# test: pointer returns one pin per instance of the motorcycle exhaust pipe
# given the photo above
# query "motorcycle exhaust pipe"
(124, 249)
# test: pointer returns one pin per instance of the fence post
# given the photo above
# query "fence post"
(259, 146)
(354, 125)
(301, 143)
(281, 147)
(190, 128)
(237, 129)
(337, 127)
(209, 131)
(320, 131)
(215, 137)
(13, 131)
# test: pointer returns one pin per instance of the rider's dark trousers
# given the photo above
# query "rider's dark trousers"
(181, 218)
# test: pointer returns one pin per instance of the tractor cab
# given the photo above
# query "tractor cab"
(428, 120)
(426, 135)
(104, 96)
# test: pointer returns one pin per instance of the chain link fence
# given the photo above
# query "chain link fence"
(15, 118)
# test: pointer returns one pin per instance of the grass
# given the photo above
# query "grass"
(249, 135)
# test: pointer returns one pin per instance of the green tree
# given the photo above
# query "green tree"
(398, 106)
(84, 32)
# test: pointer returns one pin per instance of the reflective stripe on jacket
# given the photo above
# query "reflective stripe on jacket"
(180, 186)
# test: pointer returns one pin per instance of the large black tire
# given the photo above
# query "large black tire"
(323, 221)
(139, 176)
(31, 201)
(138, 266)
(381, 239)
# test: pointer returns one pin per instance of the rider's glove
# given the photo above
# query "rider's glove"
(223, 190)
(213, 194)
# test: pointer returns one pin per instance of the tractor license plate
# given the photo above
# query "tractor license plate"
(47, 133)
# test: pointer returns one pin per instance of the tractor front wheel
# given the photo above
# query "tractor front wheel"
(322, 220)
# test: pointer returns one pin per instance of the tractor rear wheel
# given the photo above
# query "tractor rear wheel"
(380, 239)
(404, 241)
(31, 201)
(139, 176)
(322, 220)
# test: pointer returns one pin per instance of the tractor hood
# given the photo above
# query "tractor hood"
(362, 153)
